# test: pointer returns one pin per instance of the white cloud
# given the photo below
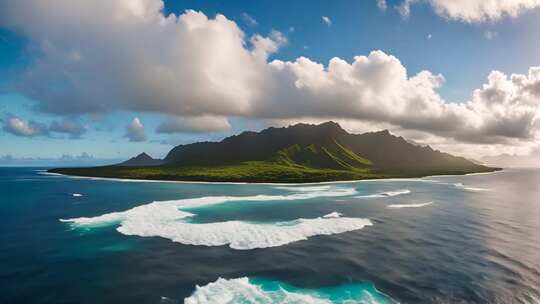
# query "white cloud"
(490, 35)
(471, 11)
(201, 124)
(193, 66)
(185, 65)
(377, 88)
(135, 131)
(249, 20)
(429, 36)
(326, 20)
(20, 127)
(381, 4)
(264, 46)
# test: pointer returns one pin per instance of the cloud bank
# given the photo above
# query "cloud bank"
(203, 70)
(473, 11)
(20, 127)
(202, 124)
(83, 159)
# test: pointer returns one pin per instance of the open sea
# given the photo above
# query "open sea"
(443, 239)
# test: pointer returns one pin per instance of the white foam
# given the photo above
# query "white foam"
(48, 173)
(242, 291)
(238, 235)
(172, 206)
(305, 189)
(409, 205)
(386, 194)
(77, 195)
(467, 188)
(164, 219)
(333, 215)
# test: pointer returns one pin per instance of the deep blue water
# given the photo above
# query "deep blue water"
(455, 239)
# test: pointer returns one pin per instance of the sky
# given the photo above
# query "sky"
(108, 79)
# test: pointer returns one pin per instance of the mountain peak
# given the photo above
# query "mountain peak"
(383, 132)
(143, 155)
(141, 160)
(326, 125)
(330, 124)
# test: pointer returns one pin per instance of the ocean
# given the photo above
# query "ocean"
(441, 239)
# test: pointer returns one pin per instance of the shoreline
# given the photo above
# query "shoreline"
(134, 180)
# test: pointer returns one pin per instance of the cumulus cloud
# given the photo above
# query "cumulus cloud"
(203, 124)
(264, 46)
(135, 131)
(471, 11)
(377, 88)
(326, 20)
(20, 127)
(194, 66)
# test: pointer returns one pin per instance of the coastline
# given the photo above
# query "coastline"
(382, 179)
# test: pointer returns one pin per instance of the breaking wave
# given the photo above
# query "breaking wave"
(166, 219)
(255, 291)
(473, 189)
(76, 194)
(333, 215)
(304, 188)
(409, 205)
(386, 194)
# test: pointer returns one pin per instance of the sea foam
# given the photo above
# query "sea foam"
(165, 219)
(247, 290)
(332, 215)
(385, 194)
(409, 205)
(304, 188)
(468, 188)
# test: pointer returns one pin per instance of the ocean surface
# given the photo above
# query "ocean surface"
(444, 239)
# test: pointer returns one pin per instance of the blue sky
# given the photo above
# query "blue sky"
(464, 52)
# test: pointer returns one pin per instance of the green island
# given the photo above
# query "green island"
(297, 154)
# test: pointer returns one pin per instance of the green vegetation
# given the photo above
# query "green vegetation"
(249, 171)
(333, 156)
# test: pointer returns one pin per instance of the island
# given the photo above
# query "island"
(301, 153)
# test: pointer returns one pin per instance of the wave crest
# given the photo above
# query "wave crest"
(468, 188)
(255, 291)
(386, 194)
(409, 205)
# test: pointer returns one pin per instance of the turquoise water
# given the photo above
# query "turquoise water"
(465, 239)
